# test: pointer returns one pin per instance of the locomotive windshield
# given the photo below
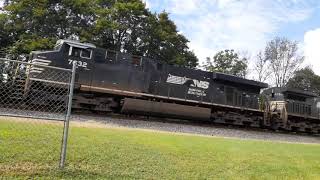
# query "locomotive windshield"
(80, 52)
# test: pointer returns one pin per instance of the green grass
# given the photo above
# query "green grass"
(31, 150)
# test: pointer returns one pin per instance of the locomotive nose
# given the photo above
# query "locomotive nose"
(38, 58)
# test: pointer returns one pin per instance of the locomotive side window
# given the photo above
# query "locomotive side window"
(74, 51)
(136, 60)
(111, 56)
(86, 53)
(99, 55)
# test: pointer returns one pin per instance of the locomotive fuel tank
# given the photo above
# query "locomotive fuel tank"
(163, 109)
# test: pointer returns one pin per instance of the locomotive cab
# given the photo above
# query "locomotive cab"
(64, 54)
(83, 55)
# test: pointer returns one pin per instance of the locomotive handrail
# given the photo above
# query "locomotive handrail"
(38, 65)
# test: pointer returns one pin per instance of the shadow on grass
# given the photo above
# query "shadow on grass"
(76, 173)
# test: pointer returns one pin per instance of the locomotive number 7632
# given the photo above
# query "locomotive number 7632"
(79, 63)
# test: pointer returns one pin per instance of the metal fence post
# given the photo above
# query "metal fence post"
(67, 119)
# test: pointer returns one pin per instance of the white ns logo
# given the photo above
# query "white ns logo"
(200, 84)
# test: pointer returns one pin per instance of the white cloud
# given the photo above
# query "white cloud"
(213, 25)
(1, 6)
(312, 49)
(183, 7)
(148, 4)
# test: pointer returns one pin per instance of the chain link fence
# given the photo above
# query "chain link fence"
(35, 107)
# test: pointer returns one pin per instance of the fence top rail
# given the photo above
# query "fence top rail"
(37, 65)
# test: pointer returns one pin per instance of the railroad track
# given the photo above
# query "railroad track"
(155, 124)
(177, 126)
(196, 124)
(119, 116)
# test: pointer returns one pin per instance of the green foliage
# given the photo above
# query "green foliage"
(228, 62)
(5, 35)
(30, 150)
(167, 44)
(305, 79)
(122, 25)
(31, 43)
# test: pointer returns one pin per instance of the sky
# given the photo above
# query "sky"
(1, 4)
(245, 25)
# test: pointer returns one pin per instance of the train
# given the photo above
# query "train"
(112, 81)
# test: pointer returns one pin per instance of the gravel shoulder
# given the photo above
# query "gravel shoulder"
(188, 128)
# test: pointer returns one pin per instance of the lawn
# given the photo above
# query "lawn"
(31, 150)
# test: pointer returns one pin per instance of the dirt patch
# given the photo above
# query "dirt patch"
(30, 120)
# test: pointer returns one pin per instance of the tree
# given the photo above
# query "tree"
(284, 59)
(228, 62)
(261, 67)
(171, 45)
(140, 32)
(5, 35)
(36, 25)
(305, 79)
(121, 25)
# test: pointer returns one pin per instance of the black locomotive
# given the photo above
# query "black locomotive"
(113, 81)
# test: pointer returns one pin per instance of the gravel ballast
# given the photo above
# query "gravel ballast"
(191, 128)
(173, 126)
